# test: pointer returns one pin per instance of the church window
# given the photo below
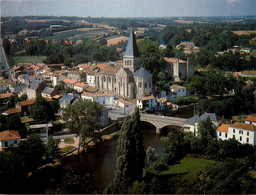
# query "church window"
(109, 79)
(104, 79)
(115, 80)
(139, 84)
(145, 85)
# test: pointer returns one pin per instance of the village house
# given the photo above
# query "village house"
(249, 73)
(191, 125)
(34, 89)
(161, 103)
(24, 106)
(57, 78)
(242, 132)
(179, 69)
(24, 79)
(251, 120)
(78, 76)
(12, 111)
(80, 87)
(68, 99)
(188, 47)
(103, 98)
(69, 83)
(178, 91)
(49, 92)
(4, 97)
(3, 86)
(148, 103)
(40, 129)
(9, 138)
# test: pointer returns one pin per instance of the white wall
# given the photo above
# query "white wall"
(241, 135)
(90, 80)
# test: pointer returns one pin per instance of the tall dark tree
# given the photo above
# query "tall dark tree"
(130, 155)
(52, 149)
(42, 109)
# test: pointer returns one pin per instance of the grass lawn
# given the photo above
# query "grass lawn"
(69, 140)
(67, 149)
(191, 166)
(29, 59)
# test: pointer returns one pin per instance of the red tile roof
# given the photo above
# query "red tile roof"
(244, 126)
(249, 73)
(163, 99)
(102, 65)
(175, 86)
(251, 118)
(5, 95)
(80, 85)
(223, 128)
(12, 111)
(27, 102)
(9, 135)
(147, 98)
(69, 81)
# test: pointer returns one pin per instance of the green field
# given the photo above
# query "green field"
(75, 35)
(29, 59)
(189, 166)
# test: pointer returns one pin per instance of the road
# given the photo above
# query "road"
(4, 63)
(116, 112)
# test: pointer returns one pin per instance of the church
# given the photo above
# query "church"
(129, 80)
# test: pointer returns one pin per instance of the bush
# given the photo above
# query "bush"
(184, 100)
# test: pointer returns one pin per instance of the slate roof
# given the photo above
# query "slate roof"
(34, 84)
(142, 72)
(197, 119)
(128, 71)
(48, 90)
(67, 98)
(132, 48)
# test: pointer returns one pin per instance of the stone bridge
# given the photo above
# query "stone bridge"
(162, 121)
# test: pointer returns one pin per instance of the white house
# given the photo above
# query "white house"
(242, 132)
(251, 120)
(191, 125)
(90, 78)
(147, 103)
(80, 86)
(9, 138)
(57, 78)
(100, 97)
(222, 132)
(178, 91)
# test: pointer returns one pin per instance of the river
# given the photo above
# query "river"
(90, 172)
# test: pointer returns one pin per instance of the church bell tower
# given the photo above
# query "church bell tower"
(131, 57)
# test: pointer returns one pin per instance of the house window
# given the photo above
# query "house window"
(240, 138)
(241, 132)
(247, 133)
(6, 144)
(226, 135)
(234, 136)
(247, 139)
(234, 130)
(15, 141)
(219, 133)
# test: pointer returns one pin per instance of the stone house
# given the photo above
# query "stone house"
(34, 89)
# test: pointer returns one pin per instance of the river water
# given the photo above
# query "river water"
(93, 170)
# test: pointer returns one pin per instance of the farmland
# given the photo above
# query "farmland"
(29, 59)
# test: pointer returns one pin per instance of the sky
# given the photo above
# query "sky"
(128, 8)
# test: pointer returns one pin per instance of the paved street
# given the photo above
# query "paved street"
(115, 112)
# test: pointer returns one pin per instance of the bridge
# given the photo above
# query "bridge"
(162, 121)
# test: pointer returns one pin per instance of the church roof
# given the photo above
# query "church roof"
(132, 48)
(128, 71)
(142, 72)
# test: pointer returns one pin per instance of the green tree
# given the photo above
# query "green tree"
(81, 118)
(31, 152)
(42, 109)
(52, 149)
(13, 122)
(151, 155)
(130, 155)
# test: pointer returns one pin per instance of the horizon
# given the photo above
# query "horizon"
(129, 8)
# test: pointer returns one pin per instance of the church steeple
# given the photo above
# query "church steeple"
(132, 48)
(131, 57)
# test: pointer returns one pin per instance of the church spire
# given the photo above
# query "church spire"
(132, 48)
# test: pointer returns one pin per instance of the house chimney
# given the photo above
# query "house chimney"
(198, 114)
(231, 122)
(222, 118)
